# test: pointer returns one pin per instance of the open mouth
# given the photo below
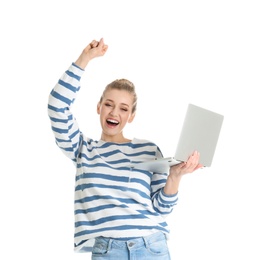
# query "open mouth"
(112, 122)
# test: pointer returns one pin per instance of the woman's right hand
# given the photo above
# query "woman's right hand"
(91, 51)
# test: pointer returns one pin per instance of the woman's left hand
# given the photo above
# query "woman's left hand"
(192, 164)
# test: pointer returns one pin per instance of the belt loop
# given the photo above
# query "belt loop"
(109, 245)
(145, 242)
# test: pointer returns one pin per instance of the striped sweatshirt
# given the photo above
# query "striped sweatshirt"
(111, 199)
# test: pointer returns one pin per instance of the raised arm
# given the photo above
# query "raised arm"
(64, 126)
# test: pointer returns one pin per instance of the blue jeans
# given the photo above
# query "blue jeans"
(153, 247)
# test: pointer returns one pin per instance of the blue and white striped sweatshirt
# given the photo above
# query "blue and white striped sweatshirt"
(111, 199)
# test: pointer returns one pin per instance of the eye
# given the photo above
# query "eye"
(108, 105)
(124, 109)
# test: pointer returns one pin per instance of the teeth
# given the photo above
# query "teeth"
(112, 121)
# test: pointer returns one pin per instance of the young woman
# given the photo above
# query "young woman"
(119, 211)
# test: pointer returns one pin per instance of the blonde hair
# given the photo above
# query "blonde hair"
(122, 84)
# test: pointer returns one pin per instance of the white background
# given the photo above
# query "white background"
(176, 52)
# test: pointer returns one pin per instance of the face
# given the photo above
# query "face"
(115, 112)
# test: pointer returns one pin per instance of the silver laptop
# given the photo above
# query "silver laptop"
(200, 132)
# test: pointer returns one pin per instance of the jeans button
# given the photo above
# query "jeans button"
(131, 244)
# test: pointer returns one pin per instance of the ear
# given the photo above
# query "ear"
(131, 118)
(98, 108)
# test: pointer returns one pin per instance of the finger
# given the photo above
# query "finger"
(96, 43)
(102, 46)
(179, 166)
(194, 158)
(192, 162)
(92, 43)
(101, 41)
(182, 165)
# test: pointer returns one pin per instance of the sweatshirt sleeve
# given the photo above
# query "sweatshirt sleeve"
(162, 202)
(63, 124)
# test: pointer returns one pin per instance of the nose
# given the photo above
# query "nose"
(114, 112)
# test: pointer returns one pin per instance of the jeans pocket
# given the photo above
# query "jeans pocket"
(158, 248)
(100, 247)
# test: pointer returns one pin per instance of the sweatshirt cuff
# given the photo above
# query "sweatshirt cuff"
(76, 71)
(168, 199)
(77, 66)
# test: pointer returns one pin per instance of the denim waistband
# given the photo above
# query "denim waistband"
(132, 243)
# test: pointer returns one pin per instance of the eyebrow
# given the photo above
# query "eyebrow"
(110, 100)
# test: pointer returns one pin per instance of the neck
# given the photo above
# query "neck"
(114, 139)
